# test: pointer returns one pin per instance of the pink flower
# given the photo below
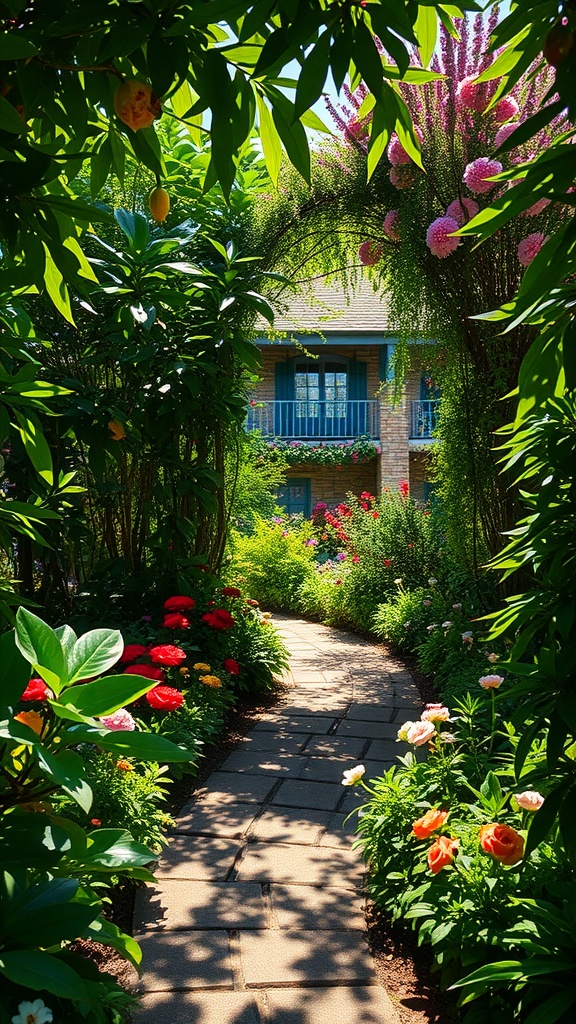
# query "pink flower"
(505, 109)
(530, 246)
(437, 237)
(435, 714)
(537, 208)
(462, 210)
(396, 153)
(370, 253)
(391, 225)
(119, 721)
(492, 657)
(491, 682)
(401, 177)
(504, 133)
(419, 733)
(530, 800)
(477, 173)
(473, 95)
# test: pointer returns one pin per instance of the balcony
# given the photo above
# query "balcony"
(423, 420)
(316, 421)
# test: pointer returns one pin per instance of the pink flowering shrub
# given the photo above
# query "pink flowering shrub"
(462, 210)
(391, 228)
(370, 253)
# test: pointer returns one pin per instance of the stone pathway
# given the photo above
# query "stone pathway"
(257, 916)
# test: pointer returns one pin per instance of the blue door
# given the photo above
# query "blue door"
(294, 496)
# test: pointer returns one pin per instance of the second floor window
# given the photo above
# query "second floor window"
(320, 389)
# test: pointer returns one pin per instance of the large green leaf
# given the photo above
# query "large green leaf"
(67, 769)
(33, 969)
(41, 647)
(116, 848)
(144, 745)
(106, 695)
(36, 445)
(14, 671)
(94, 653)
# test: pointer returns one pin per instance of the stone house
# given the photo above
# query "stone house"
(323, 385)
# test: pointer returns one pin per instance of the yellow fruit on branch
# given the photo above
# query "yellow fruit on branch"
(159, 203)
(136, 105)
(117, 430)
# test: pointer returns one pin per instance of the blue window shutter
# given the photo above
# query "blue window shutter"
(284, 393)
(357, 392)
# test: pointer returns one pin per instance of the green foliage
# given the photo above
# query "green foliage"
(273, 562)
(124, 792)
(260, 652)
(259, 474)
(298, 453)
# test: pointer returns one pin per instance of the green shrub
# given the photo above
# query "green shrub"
(404, 619)
(273, 562)
(259, 651)
(126, 792)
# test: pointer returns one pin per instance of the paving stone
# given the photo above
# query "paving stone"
(177, 905)
(306, 865)
(174, 960)
(193, 858)
(319, 705)
(265, 763)
(313, 795)
(308, 907)
(386, 751)
(327, 769)
(369, 713)
(280, 958)
(228, 821)
(353, 800)
(280, 742)
(224, 788)
(339, 832)
(289, 825)
(368, 1004)
(198, 1008)
(368, 730)
(335, 746)
(295, 723)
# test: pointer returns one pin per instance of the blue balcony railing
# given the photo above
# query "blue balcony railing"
(311, 420)
(424, 418)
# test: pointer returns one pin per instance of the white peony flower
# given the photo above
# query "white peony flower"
(353, 775)
(33, 1013)
(403, 731)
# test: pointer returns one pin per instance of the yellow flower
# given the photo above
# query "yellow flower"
(212, 681)
(201, 667)
(184, 671)
(124, 766)
(32, 719)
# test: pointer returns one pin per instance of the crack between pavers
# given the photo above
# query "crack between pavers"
(272, 922)
(236, 960)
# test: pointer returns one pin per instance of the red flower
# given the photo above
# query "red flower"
(180, 603)
(164, 698)
(218, 619)
(36, 690)
(231, 592)
(232, 667)
(96, 822)
(387, 563)
(132, 651)
(404, 488)
(176, 621)
(167, 654)
(252, 602)
(148, 671)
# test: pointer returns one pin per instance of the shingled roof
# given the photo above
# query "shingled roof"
(326, 308)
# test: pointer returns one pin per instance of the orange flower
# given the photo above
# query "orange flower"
(212, 681)
(502, 842)
(428, 823)
(441, 853)
(116, 430)
(32, 719)
(124, 766)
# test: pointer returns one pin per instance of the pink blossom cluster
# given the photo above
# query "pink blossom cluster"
(530, 246)
(479, 171)
(119, 721)
(391, 227)
(396, 153)
(438, 237)
(462, 210)
(475, 95)
(370, 252)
